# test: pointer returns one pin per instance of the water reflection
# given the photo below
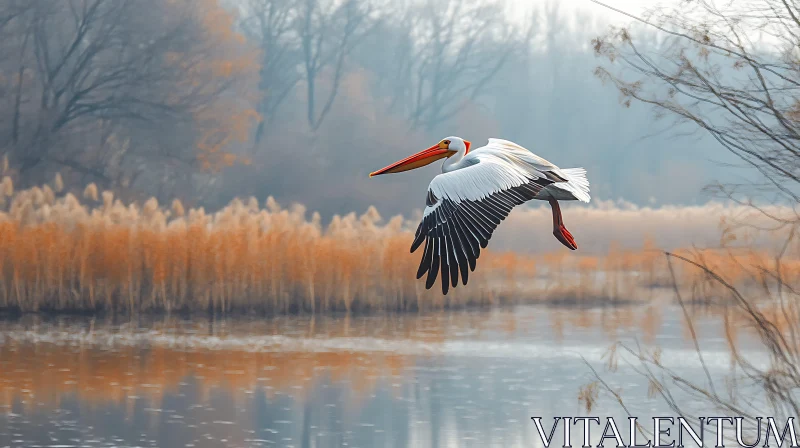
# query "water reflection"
(465, 379)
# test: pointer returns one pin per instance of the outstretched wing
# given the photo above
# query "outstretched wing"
(463, 208)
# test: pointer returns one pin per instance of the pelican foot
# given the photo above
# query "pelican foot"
(562, 234)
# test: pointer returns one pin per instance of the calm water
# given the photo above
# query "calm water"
(469, 379)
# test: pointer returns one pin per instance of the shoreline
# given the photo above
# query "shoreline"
(665, 297)
(15, 313)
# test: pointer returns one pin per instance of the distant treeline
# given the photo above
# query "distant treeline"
(207, 100)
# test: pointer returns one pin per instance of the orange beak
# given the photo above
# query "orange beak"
(419, 159)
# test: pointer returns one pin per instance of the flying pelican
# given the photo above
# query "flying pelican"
(476, 190)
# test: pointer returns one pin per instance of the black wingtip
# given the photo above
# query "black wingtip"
(425, 262)
(417, 242)
(433, 272)
(445, 275)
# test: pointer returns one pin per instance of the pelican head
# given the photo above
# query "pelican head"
(445, 148)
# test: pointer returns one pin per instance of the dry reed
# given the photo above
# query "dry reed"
(58, 254)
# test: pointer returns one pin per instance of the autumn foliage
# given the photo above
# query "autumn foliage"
(124, 94)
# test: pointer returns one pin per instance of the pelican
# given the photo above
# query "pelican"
(476, 190)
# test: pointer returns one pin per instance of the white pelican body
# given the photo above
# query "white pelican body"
(475, 192)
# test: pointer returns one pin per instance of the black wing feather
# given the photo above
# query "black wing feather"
(458, 252)
(427, 258)
(454, 233)
(452, 257)
(434, 269)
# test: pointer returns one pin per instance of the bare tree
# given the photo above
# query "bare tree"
(328, 33)
(456, 49)
(11, 11)
(712, 72)
(100, 85)
(270, 23)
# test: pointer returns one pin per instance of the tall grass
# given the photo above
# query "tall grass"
(58, 253)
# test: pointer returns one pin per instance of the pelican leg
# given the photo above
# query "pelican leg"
(559, 231)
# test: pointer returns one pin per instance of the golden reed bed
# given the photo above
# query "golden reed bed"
(59, 254)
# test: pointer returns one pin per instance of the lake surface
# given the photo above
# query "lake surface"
(471, 379)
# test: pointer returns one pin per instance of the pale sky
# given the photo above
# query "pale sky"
(635, 7)
(631, 6)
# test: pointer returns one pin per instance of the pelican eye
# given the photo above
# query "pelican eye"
(446, 142)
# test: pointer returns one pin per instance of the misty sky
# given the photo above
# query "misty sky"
(572, 7)
(553, 105)
(402, 85)
(550, 102)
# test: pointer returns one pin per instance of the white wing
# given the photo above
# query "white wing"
(576, 186)
(466, 205)
(511, 148)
